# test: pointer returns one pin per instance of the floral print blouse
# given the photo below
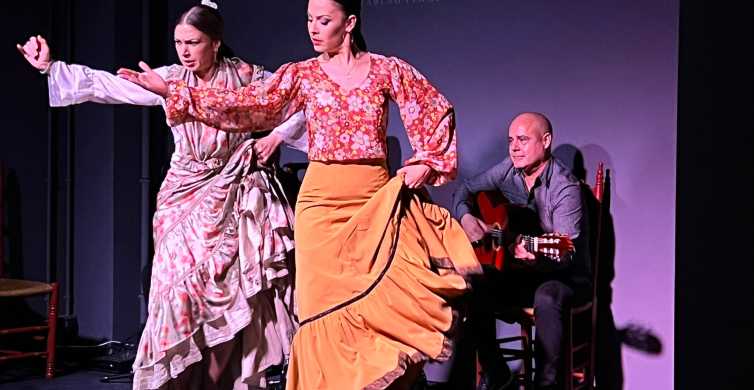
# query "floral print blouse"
(344, 125)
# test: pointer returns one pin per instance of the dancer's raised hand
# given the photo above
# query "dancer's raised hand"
(36, 51)
(148, 79)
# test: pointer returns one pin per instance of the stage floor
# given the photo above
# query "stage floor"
(26, 377)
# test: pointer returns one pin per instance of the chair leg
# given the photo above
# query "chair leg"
(526, 342)
(592, 349)
(52, 321)
(568, 353)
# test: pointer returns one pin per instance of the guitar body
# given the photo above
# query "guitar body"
(495, 211)
(492, 211)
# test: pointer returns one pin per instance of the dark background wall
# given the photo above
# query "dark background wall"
(713, 304)
(605, 72)
(76, 174)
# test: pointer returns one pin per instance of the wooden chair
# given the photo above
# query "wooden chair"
(20, 289)
(579, 343)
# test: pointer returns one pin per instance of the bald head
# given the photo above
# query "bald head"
(535, 121)
(529, 140)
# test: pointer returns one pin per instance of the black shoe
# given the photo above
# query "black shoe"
(499, 381)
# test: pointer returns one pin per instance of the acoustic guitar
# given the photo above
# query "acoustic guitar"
(494, 210)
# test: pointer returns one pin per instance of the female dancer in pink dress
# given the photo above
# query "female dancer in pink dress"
(220, 296)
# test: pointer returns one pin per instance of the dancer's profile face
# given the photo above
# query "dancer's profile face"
(328, 25)
(195, 49)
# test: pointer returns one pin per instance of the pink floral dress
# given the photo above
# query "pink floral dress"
(222, 236)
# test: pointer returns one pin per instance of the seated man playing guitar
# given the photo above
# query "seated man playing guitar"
(549, 270)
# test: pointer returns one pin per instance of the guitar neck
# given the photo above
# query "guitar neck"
(531, 243)
(552, 247)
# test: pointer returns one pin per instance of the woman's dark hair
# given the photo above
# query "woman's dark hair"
(207, 20)
(353, 7)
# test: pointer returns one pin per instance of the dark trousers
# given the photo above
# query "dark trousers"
(549, 295)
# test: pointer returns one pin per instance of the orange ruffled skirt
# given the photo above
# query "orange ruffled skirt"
(375, 270)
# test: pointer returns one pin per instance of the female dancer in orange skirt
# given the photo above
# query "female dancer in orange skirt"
(376, 266)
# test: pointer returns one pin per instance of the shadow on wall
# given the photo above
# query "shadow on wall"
(585, 157)
(609, 367)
